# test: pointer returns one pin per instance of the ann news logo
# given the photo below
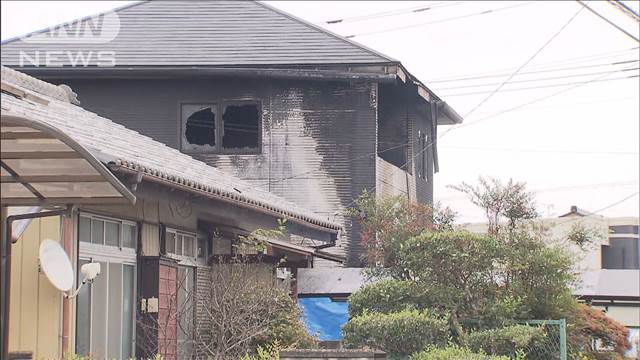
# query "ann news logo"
(74, 43)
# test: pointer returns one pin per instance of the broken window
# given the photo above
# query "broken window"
(241, 126)
(198, 127)
(238, 127)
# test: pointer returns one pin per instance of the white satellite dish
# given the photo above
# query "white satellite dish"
(56, 265)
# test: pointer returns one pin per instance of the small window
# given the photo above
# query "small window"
(241, 127)
(237, 131)
(107, 231)
(199, 127)
(180, 243)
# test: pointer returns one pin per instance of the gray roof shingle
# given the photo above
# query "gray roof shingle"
(208, 33)
(115, 144)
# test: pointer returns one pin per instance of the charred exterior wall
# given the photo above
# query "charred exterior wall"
(318, 139)
(403, 120)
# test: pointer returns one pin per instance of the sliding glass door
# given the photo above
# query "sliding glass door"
(105, 316)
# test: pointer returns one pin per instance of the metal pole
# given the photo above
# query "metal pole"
(563, 339)
(3, 275)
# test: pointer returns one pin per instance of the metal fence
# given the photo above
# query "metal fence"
(553, 345)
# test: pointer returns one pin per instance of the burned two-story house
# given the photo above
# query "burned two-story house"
(257, 93)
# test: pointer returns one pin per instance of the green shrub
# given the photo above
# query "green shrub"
(402, 333)
(504, 341)
(453, 353)
(386, 296)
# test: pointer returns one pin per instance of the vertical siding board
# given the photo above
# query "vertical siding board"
(35, 303)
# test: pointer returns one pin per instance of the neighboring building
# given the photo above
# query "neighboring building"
(150, 215)
(608, 265)
(259, 94)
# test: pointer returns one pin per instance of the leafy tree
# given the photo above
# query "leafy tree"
(425, 265)
(500, 201)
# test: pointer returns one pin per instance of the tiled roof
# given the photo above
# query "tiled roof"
(201, 33)
(118, 146)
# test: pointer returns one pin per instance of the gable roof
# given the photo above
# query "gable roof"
(122, 149)
(197, 33)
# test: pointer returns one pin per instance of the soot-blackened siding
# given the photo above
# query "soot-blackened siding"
(318, 138)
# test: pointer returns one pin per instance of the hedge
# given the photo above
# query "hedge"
(453, 353)
(506, 340)
(401, 333)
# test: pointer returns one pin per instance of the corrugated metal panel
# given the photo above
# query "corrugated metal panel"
(324, 131)
(206, 33)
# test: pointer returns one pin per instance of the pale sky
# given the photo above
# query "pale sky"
(577, 147)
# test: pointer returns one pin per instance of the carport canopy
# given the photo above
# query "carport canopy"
(41, 165)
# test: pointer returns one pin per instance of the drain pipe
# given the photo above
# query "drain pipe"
(7, 241)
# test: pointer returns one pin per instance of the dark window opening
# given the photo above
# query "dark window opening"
(200, 128)
(241, 126)
(621, 253)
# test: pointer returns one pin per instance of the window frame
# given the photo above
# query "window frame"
(219, 105)
(108, 254)
(183, 259)
(104, 251)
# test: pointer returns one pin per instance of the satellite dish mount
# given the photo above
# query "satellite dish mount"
(56, 266)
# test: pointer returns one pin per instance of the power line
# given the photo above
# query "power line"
(411, 10)
(536, 100)
(533, 80)
(564, 26)
(550, 151)
(541, 86)
(438, 21)
(494, 75)
(608, 21)
(597, 212)
(562, 188)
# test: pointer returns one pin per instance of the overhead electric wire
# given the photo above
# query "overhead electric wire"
(561, 188)
(558, 32)
(535, 80)
(412, 158)
(549, 151)
(494, 75)
(438, 21)
(597, 212)
(608, 21)
(536, 100)
(411, 10)
(540, 86)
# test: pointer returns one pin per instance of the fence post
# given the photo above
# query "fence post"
(563, 339)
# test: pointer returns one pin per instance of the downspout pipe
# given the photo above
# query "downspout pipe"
(8, 241)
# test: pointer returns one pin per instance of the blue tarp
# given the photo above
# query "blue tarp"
(324, 317)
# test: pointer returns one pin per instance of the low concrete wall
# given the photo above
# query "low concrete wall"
(332, 354)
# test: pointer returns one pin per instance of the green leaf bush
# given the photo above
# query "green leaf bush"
(385, 297)
(400, 333)
(453, 353)
(505, 341)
